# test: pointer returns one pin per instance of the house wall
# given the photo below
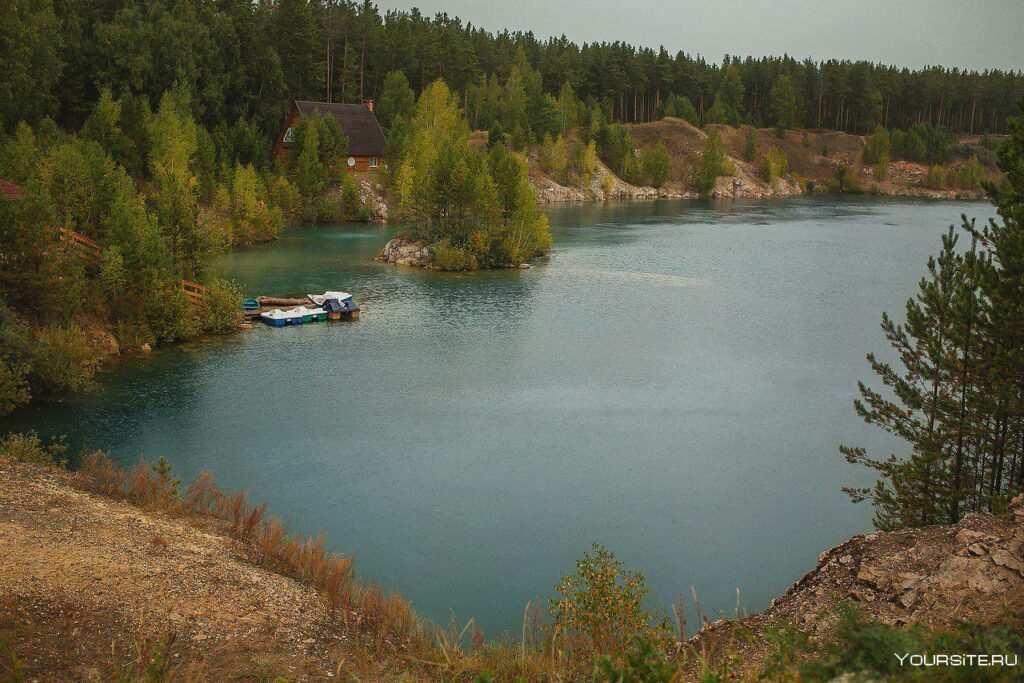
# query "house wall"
(281, 149)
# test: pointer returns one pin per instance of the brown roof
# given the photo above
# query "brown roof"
(365, 138)
(9, 190)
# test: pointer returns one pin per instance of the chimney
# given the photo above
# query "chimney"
(369, 104)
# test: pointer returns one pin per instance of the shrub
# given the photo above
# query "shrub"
(969, 176)
(350, 203)
(713, 163)
(602, 604)
(654, 165)
(28, 447)
(580, 166)
(935, 178)
(14, 390)
(450, 257)
(774, 165)
(63, 361)
(876, 152)
(646, 665)
(866, 647)
(168, 313)
(608, 185)
(551, 155)
(100, 474)
(680, 107)
(844, 179)
(223, 309)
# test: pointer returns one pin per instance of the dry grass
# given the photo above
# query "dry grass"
(385, 625)
(388, 619)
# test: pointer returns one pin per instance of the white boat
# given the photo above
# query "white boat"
(319, 299)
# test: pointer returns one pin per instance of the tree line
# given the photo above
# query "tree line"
(244, 61)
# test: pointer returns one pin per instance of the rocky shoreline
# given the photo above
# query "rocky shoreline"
(405, 252)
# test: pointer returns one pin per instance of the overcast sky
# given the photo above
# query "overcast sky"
(974, 34)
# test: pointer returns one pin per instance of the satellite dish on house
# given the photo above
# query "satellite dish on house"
(351, 162)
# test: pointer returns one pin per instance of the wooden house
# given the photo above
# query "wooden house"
(366, 147)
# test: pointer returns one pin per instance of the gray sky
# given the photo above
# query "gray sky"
(975, 34)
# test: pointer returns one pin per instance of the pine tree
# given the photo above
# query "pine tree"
(958, 398)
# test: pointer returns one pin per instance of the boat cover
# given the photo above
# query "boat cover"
(319, 299)
(333, 306)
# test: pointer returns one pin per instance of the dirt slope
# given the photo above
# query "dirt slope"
(85, 580)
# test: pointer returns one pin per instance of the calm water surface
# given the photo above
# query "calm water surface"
(671, 382)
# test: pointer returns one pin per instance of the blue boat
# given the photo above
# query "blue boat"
(275, 318)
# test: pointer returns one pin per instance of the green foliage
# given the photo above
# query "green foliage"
(749, 145)
(396, 100)
(552, 156)
(969, 176)
(653, 164)
(103, 126)
(959, 351)
(680, 107)
(877, 152)
(30, 51)
(864, 646)
(581, 165)
(476, 210)
(713, 163)
(844, 180)
(317, 149)
(245, 212)
(644, 665)
(924, 144)
(28, 447)
(774, 165)
(449, 257)
(728, 103)
(935, 178)
(615, 147)
(173, 138)
(14, 390)
(601, 604)
(165, 484)
(783, 101)
(223, 309)
(496, 135)
(63, 361)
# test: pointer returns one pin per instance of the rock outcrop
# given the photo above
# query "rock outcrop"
(404, 252)
(935, 576)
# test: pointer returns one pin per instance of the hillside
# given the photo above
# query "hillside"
(812, 156)
(933, 577)
(92, 588)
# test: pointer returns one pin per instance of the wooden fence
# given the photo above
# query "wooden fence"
(88, 251)
(92, 253)
(195, 292)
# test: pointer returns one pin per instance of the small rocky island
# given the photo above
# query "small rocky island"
(405, 252)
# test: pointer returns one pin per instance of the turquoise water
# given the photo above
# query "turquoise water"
(671, 382)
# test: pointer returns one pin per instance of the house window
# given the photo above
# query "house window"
(289, 134)
(373, 162)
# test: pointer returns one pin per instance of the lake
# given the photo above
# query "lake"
(672, 381)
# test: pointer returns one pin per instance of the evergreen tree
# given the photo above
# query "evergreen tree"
(396, 100)
(957, 398)
(783, 102)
